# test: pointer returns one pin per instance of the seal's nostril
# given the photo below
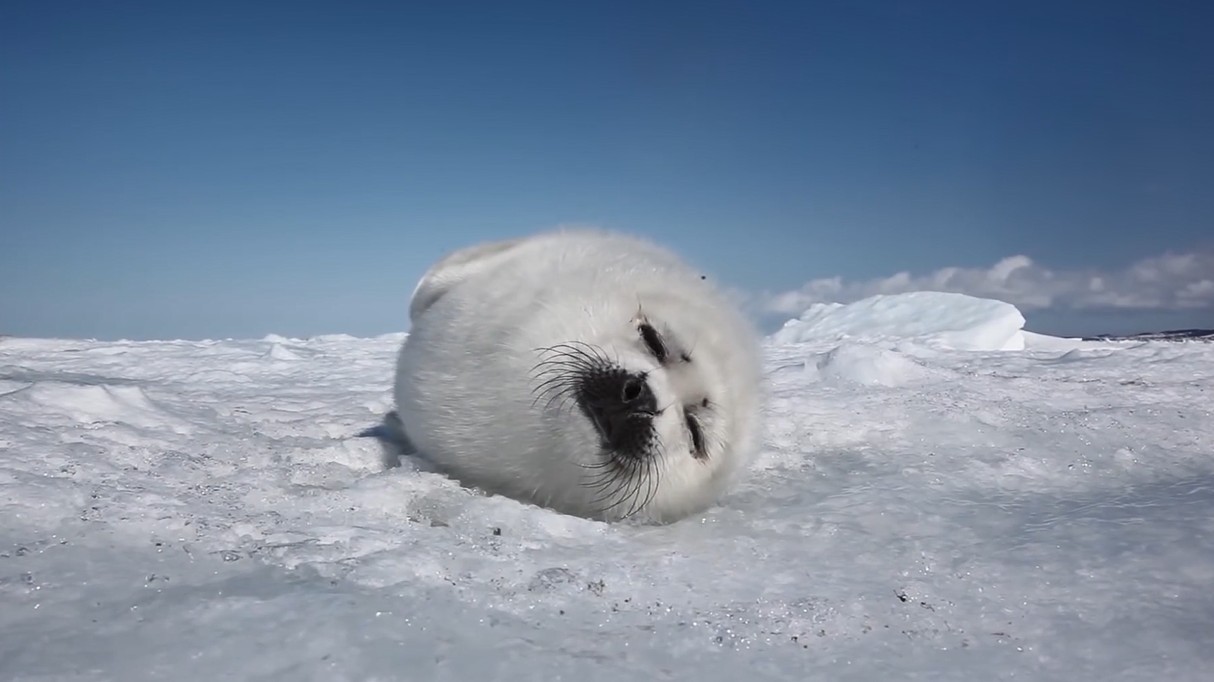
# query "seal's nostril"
(632, 389)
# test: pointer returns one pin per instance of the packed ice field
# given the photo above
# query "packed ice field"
(941, 495)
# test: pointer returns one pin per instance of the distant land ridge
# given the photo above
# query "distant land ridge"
(1206, 335)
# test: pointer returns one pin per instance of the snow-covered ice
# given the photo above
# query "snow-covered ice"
(205, 510)
(944, 320)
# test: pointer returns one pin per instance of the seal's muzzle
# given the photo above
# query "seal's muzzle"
(622, 407)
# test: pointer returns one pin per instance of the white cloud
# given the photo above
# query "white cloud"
(1166, 282)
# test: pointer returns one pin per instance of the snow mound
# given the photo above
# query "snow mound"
(1034, 341)
(279, 351)
(868, 365)
(943, 320)
(102, 403)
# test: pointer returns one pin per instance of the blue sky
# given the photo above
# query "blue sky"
(235, 169)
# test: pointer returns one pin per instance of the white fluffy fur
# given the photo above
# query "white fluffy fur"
(465, 381)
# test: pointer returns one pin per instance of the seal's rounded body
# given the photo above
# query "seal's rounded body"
(584, 371)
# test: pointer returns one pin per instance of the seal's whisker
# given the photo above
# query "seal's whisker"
(567, 357)
(585, 351)
(653, 476)
(630, 496)
(638, 500)
(551, 366)
(612, 491)
(555, 380)
(590, 347)
(565, 402)
(619, 471)
(552, 390)
(606, 464)
(557, 396)
(607, 490)
(619, 499)
(567, 353)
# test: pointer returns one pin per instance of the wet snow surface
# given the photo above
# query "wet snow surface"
(205, 510)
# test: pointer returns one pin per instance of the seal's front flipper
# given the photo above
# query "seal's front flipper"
(396, 432)
(392, 437)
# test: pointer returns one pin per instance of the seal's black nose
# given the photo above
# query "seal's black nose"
(622, 407)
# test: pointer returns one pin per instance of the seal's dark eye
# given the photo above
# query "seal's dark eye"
(654, 341)
(697, 436)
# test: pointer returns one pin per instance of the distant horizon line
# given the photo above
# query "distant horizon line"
(1185, 333)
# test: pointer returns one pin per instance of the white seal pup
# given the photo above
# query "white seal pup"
(584, 371)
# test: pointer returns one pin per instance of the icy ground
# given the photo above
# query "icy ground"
(205, 510)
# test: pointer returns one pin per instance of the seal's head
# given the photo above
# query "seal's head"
(672, 414)
(592, 373)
